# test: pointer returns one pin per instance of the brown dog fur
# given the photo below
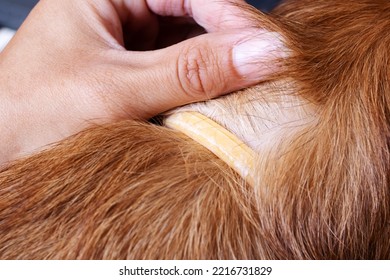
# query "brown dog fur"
(132, 190)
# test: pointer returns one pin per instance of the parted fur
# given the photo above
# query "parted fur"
(133, 190)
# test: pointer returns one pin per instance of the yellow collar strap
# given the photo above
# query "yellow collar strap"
(217, 139)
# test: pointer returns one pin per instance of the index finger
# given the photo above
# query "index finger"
(212, 15)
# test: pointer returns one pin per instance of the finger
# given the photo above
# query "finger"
(212, 15)
(199, 69)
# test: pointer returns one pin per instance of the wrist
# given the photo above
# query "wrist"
(11, 132)
(23, 129)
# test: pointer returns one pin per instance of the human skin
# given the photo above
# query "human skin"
(77, 63)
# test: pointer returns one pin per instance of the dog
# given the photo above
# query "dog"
(320, 133)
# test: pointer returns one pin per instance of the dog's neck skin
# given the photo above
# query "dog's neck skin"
(260, 116)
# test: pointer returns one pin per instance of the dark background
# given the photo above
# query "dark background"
(264, 5)
(13, 12)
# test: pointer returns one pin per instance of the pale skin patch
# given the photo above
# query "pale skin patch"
(262, 116)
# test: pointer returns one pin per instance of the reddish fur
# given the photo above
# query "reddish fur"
(135, 190)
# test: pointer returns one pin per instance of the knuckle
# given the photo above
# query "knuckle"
(196, 75)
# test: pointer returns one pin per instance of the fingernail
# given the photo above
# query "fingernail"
(256, 55)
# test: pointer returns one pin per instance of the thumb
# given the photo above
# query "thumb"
(205, 67)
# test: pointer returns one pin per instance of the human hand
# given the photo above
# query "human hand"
(76, 62)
